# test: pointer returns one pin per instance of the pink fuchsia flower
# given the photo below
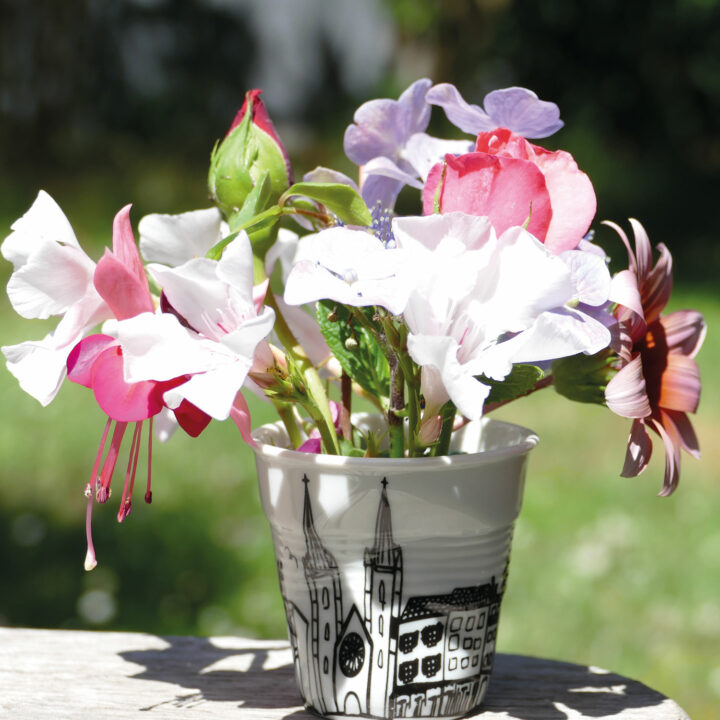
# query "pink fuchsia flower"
(52, 276)
(512, 181)
(516, 108)
(658, 383)
(97, 362)
(211, 336)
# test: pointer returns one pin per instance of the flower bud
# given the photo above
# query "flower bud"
(250, 151)
(430, 430)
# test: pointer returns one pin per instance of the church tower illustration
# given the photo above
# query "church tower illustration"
(383, 597)
(379, 658)
(323, 581)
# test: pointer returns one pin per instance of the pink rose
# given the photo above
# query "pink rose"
(508, 180)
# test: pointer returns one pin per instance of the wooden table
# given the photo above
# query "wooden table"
(59, 675)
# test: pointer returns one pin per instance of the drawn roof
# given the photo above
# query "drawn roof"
(467, 598)
(317, 557)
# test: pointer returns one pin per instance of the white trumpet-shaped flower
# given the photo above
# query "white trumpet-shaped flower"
(210, 334)
(482, 303)
(52, 276)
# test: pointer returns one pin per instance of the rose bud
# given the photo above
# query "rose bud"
(250, 151)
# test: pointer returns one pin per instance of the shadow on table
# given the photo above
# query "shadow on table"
(217, 674)
(522, 687)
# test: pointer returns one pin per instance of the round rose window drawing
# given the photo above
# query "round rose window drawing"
(352, 654)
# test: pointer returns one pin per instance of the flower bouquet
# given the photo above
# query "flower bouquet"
(317, 296)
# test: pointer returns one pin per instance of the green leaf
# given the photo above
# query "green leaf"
(257, 200)
(340, 199)
(348, 449)
(264, 221)
(519, 382)
(583, 378)
(364, 363)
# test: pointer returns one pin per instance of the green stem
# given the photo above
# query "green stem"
(539, 385)
(448, 418)
(397, 403)
(285, 412)
(320, 411)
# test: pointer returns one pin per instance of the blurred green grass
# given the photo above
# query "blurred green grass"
(603, 572)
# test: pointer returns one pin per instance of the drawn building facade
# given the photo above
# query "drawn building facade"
(432, 656)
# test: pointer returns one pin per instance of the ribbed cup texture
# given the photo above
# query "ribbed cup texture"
(392, 573)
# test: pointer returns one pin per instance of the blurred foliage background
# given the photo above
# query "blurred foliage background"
(103, 104)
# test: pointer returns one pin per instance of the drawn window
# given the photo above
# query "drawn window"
(470, 623)
(475, 660)
(380, 659)
(467, 643)
(381, 625)
(327, 631)
(452, 665)
(464, 662)
(325, 598)
(408, 641)
(454, 642)
(430, 665)
(381, 593)
(431, 634)
(352, 654)
(456, 624)
(481, 620)
(477, 643)
(326, 667)
(407, 671)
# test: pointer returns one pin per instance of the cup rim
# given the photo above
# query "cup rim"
(523, 440)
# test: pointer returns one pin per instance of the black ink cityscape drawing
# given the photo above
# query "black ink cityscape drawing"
(431, 657)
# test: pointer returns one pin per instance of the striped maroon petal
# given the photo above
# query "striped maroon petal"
(671, 439)
(639, 450)
(680, 384)
(626, 393)
(684, 331)
(657, 286)
(683, 430)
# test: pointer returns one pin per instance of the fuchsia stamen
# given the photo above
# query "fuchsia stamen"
(90, 561)
(126, 502)
(109, 465)
(148, 492)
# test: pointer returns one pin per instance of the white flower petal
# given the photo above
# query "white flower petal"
(590, 276)
(164, 425)
(52, 279)
(212, 392)
(175, 239)
(464, 390)
(157, 347)
(43, 223)
(423, 151)
(235, 269)
(39, 366)
(283, 249)
(349, 266)
(387, 168)
(558, 333)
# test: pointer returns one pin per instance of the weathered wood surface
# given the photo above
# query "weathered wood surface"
(61, 675)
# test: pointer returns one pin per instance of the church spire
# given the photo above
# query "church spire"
(317, 556)
(384, 550)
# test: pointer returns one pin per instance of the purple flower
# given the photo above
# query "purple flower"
(514, 108)
(379, 135)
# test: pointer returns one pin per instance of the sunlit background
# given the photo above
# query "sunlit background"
(102, 104)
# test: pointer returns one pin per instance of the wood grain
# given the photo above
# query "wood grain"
(59, 675)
